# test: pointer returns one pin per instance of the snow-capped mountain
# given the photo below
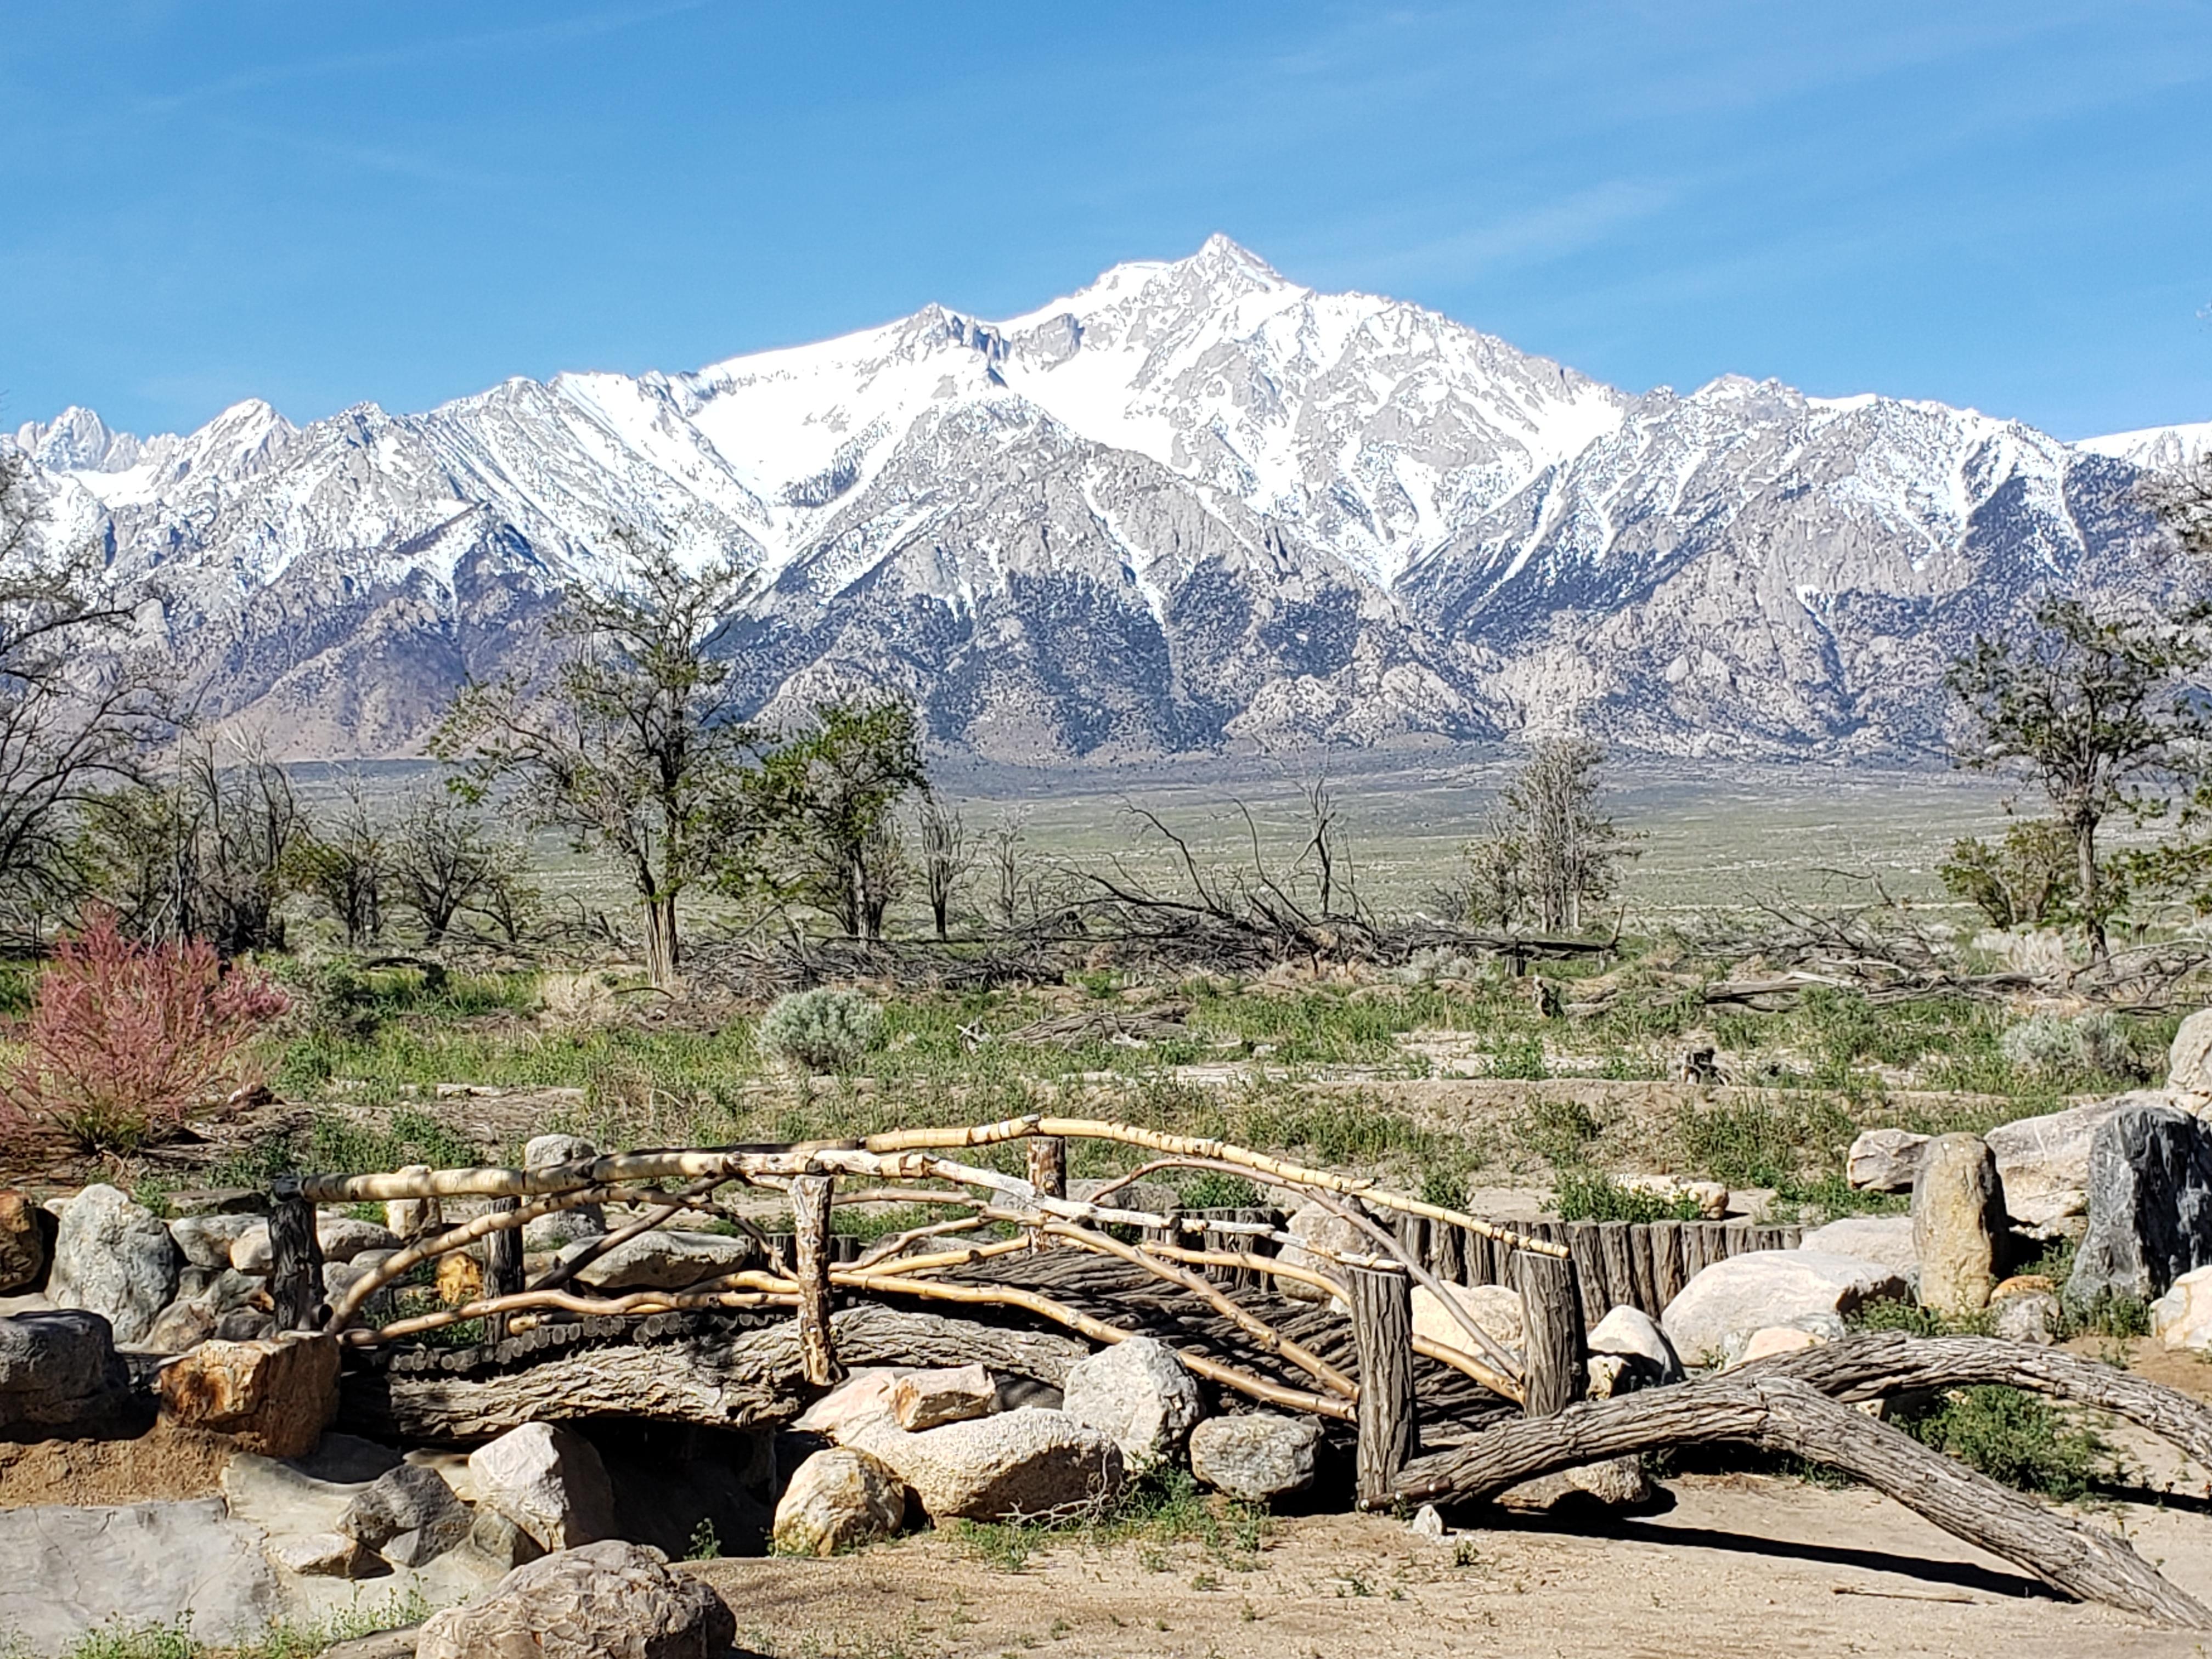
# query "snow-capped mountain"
(1195, 503)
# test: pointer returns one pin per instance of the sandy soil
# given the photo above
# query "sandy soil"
(1739, 1565)
(166, 1461)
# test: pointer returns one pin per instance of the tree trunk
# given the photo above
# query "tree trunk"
(1552, 1321)
(1779, 1413)
(295, 1264)
(810, 1236)
(660, 958)
(2093, 900)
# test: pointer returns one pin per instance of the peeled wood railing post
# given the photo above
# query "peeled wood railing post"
(502, 1267)
(1551, 1319)
(1048, 1175)
(1383, 1333)
(295, 1265)
(809, 1243)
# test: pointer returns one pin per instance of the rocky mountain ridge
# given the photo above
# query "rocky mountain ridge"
(1192, 505)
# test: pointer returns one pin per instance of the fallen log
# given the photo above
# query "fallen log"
(753, 1379)
(1880, 1363)
(1785, 1414)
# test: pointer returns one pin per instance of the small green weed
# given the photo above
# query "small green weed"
(1582, 1194)
(2015, 1437)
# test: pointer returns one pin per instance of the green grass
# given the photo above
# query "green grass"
(1592, 1195)
(2015, 1437)
(1155, 1511)
(282, 1640)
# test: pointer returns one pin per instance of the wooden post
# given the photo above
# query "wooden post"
(1643, 1270)
(810, 1236)
(1666, 1279)
(1552, 1317)
(1048, 1175)
(1583, 1249)
(295, 1270)
(1615, 1252)
(502, 1267)
(1388, 1420)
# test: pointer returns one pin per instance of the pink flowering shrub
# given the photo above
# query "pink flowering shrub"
(124, 1039)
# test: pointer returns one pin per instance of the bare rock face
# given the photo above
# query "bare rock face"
(663, 1260)
(66, 1573)
(1958, 1224)
(2033, 1317)
(206, 1240)
(605, 1601)
(500, 1541)
(273, 1397)
(838, 1499)
(1139, 1394)
(2182, 1318)
(408, 1515)
(23, 1244)
(1256, 1456)
(1027, 1462)
(115, 1258)
(2150, 1205)
(548, 1481)
(2042, 1162)
(1719, 1309)
(864, 1396)
(1883, 1160)
(931, 1396)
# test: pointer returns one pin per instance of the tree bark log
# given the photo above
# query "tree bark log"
(1551, 1327)
(1382, 1331)
(1048, 1171)
(754, 1380)
(1781, 1414)
(810, 1238)
(295, 1257)
(502, 1267)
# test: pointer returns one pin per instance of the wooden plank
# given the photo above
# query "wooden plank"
(1383, 1333)
(810, 1231)
(295, 1273)
(1640, 1270)
(1551, 1323)
(1666, 1276)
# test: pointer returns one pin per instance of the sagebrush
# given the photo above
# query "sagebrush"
(824, 1030)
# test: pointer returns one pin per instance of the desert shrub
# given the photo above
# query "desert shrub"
(1593, 1195)
(824, 1030)
(1764, 1143)
(124, 1039)
(2015, 1437)
(1216, 1189)
(1557, 1129)
(579, 1001)
(2095, 1042)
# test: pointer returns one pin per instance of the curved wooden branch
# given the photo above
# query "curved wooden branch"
(1781, 1414)
(1878, 1363)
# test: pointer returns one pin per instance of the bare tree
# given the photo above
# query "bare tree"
(344, 863)
(1010, 884)
(445, 862)
(634, 748)
(1547, 847)
(78, 702)
(948, 853)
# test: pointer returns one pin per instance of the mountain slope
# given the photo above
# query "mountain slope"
(1193, 504)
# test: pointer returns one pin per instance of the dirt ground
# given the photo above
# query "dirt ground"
(1738, 1564)
(165, 1462)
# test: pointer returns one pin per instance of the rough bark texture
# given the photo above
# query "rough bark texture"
(1781, 1414)
(810, 1238)
(1382, 1330)
(1883, 1362)
(1048, 1172)
(296, 1278)
(1551, 1321)
(502, 1267)
(752, 1379)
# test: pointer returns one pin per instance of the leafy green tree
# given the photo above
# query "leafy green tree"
(1548, 847)
(2099, 711)
(632, 745)
(819, 817)
(2028, 878)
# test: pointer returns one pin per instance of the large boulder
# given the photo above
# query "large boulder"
(548, 1481)
(115, 1258)
(58, 1371)
(1139, 1394)
(273, 1398)
(23, 1231)
(1884, 1240)
(1958, 1224)
(838, 1499)
(340, 1238)
(1317, 1224)
(408, 1515)
(1258, 1456)
(1883, 1160)
(1495, 1310)
(204, 1241)
(605, 1601)
(1731, 1299)
(2189, 1060)
(663, 1260)
(1631, 1334)
(2043, 1163)
(931, 1396)
(2150, 1205)
(1020, 1463)
(2182, 1318)
(860, 1398)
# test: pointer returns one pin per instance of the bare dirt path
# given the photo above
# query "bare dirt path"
(1741, 1565)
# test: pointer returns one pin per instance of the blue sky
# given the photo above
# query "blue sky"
(1998, 205)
